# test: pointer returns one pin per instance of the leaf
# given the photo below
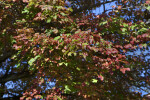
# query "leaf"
(70, 9)
(75, 53)
(55, 30)
(144, 45)
(128, 46)
(124, 30)
(25, 1)
(148, 8)
(67, 89)
(55, 17)
(63, 14)
(59, 98)
(78, 68)
(101, 77)
(60, 63)
(143, 30)
(123, 70)
(70, 53)
(65, 63)
(48, 32)
(18, 65)
(26, 10)
(84, 45)
(30, 62)
(49, 20)
(94, 80)
(125, 25)
(103, 23)
(119, 7)
(87, 83)
(56, 38)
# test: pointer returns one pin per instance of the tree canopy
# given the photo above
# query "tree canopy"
(59, 49)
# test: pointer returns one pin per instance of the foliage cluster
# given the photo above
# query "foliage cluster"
(84, 54)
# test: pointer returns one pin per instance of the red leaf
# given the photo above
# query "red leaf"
(21, 98)
(101, 77)
(123, 70)
(25, 1)
(105, 64)
(128, 46)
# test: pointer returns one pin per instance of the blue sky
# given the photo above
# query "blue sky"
(100, 9)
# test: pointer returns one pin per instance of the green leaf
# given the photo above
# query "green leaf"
(60, 63)
(78, 68)
(148, 8)
(123, 33)
(103, 23)
(49, 20)
(59, 98)
(144, 45)
(63, 14)
(69, 54)
(56, 38)
(94, 80)
(55, 17)
(84, 45)
(25, 11)
(48, 32)
(133, 27)
(63, 63)
(18, 65)
(22, 21)
(143, 30)
(30, 62)
(70, 9)
(67, 89)
(125, 25)
(59, 7)
(75, 53)
(68, 34)
(87, 83)
(124, 29)
(66, 64)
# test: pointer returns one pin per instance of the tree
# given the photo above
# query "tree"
(84, 54)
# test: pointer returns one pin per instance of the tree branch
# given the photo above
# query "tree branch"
(12, 98)
(90, 7)
(15, 76)
(6, 56)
